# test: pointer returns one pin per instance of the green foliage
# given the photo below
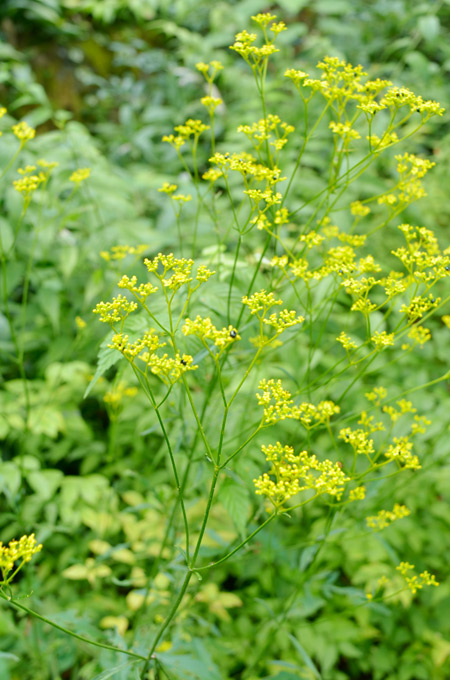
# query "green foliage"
(85, 462)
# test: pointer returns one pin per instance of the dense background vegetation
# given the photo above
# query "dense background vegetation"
(103, 81)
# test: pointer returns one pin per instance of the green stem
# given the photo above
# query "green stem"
(88, 641)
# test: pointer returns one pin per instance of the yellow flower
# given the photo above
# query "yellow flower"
(21, 550)
(80, 175)
(295, 473)
(385, 517)
(168, 188)
(23, 131)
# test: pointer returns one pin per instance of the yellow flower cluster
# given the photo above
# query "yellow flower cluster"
(209, 70)
(191, 128)
(141, 291)
(419, 306)
(279, 405)
(401, 453)
(168, 188)
(416, 582)
(255, 56)
(182, 198)
(262, 130)
(385, 517)
(379, 144)
(117, 310)
(411, 170)
(115, 396)
(21, 550)
(171, 369)
(358, 209)
(282, 320)
(47, 165)
(369, 424)
(79, 175)
(320, 414)
(296, 76)
(276, 400)
(211, 103)
(247, 166)
(259, 303)
(422, 257)
(401, 96)
(357, 494)
(290, 474)
(29, 183)
(395, 414)
(120, 252)
(359, 440)
(344, 130)
(180, 269)
(377, 395)
(346, 341)
(205, 330)
(382, 340)
(341, 82)
(148, 344)
(23, 132)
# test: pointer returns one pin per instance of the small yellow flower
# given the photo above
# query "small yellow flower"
(295, 473)
(168, 188)
(23, 131)
(17, 551)
(385, 517)
(80, 175)
(357, 494)
(358, 209)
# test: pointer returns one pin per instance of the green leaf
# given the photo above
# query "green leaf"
(109, 672)
(9, 656)
(305, 656)
(45, 482)
(235, 499)
(107, 357)
(47, 420)
(187, 667)
(429, 26)
(10, 478)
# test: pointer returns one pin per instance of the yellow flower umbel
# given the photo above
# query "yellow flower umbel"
(15, 555)
(279, 405)
(416, 582)
(180, 270)
(290, 474)
(400, 452)
(115, 396)
(79, 175)
(205, 330)
(115, 311)
(385, 517)
(259, 304)
(23, 132)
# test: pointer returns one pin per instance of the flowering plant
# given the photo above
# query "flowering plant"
(290, 280)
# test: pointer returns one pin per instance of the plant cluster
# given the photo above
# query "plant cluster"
(261, 331)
